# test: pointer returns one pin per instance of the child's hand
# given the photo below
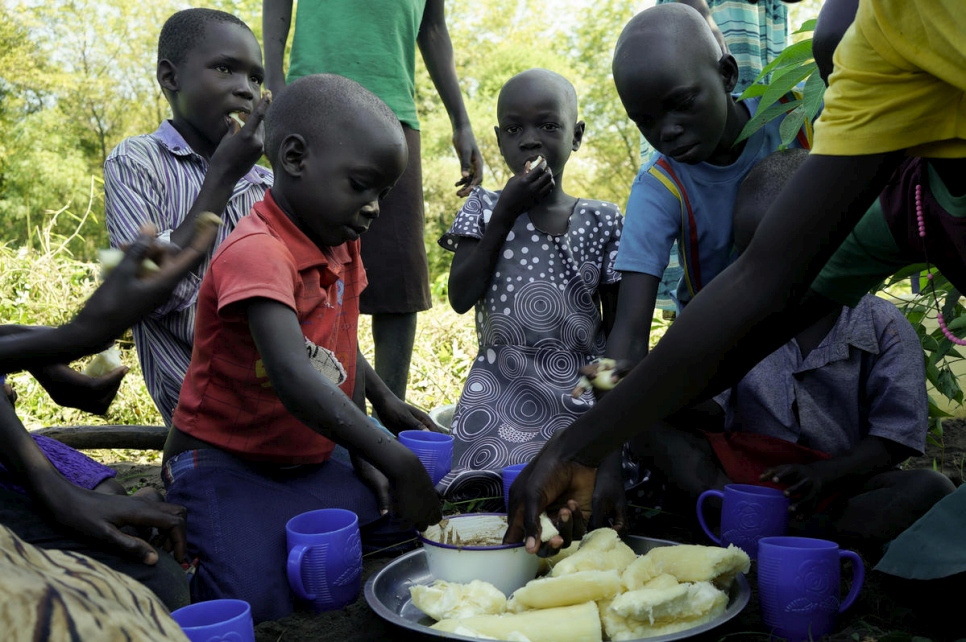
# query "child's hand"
(72, 389)
(242, 146)
(523, 191)
(397, 416)
(806, 485)
(416, 499)
(123, 298)
(610, 502)
(601, 375)
(375, 480)
(101, 517)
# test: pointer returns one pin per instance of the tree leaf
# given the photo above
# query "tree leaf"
(813, 94)
(808, 25)
(791, 55)
(753, 91)
(763, 117)
(791, 125)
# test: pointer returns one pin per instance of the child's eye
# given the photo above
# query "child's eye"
(512, 129)
(687, 103)
(551, 127)
(225, 69)
(357, 185)
(257, 80)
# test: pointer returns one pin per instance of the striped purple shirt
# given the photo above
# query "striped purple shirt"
(155, 178)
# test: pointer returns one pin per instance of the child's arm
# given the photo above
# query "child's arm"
(475, 260)
(629, 338)
(276, 21)
(394, 413)
(609, 295)
(116, 305)
(437, 50)
(320, 405)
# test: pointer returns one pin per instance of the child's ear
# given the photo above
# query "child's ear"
(167, 75)
(291, 155)
(578, 134)
(728, 68)
(496, 131)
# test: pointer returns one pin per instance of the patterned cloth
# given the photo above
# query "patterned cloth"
(50, 596)
(155, 178)
(537, 325)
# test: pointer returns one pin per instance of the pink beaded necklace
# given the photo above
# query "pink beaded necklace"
(922, 234)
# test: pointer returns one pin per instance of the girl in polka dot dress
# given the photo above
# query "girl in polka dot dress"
(538, 265)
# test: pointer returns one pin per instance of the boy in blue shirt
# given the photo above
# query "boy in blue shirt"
(677, 88)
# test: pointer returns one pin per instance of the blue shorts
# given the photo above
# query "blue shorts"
(237, 511)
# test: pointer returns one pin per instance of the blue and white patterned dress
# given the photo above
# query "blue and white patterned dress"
(537, 324)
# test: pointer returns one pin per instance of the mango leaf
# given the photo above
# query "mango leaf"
(781, 86)
(763, 117)
(791, 125)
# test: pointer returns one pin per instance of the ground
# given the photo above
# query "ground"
(877, 615)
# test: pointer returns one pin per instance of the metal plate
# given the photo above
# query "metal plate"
(387, 593)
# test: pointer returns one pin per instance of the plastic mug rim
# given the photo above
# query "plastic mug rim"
(190, 610)
(751, 489)
(292, 526)
(425, 436)
(796, 542)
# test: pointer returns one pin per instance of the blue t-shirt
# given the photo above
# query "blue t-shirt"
(652, 219)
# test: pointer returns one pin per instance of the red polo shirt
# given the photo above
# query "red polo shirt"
(227, 399)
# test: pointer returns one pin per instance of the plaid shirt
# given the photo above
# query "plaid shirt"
(155, 178)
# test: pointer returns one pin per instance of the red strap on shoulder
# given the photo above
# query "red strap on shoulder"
(692, 225)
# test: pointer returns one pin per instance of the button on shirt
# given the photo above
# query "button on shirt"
(865, 378)
(156, 178)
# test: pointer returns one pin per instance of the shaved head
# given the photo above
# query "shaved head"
(665, 28)
(526, 81)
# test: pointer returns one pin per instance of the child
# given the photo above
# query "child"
(209, 66)
(676, 86)
(326, 40)
(257, 418)
(57, 513)
(829, 415)
(897, 72)
(538, 264)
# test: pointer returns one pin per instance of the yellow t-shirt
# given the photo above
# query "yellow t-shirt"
(899, 82)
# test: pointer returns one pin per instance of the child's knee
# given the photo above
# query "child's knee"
(927, 487)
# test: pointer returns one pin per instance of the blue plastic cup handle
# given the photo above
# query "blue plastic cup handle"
(704, 525)
(858, 578)
(296, 557)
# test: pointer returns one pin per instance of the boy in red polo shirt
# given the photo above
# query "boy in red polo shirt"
(276, 376)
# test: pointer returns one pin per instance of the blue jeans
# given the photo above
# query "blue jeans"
(237, 511)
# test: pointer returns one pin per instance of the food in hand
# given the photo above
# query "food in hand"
(534, 164)
(580, 623)
(111, 257)
(104, 362)
(443, 600)
(205, 219)
(547, 530)
(239, 117)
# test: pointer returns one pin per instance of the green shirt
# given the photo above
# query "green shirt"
(370, 41)
(870, 254)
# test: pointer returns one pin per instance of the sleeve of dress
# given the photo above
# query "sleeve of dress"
(471, 219)
(652, 220)
(256, 266)
(613, 225)
(896, 382)
(132, 198)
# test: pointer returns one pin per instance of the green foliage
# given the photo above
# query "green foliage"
(782, 75)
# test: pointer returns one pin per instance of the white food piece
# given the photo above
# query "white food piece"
(237, 117)
(688, 563)
(535, 163)
(680, 602)
(547, 529)
(580, 623)
(207, 218)
(567, 590)
(600, 550)
(443, 600)
(111, 257)
(604, 379)
(104, 362)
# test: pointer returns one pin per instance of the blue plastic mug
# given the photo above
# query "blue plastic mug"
(434, 449)
(748, 513)
(798, 585)
(325, 557)
(509, 474)
(216, 621)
